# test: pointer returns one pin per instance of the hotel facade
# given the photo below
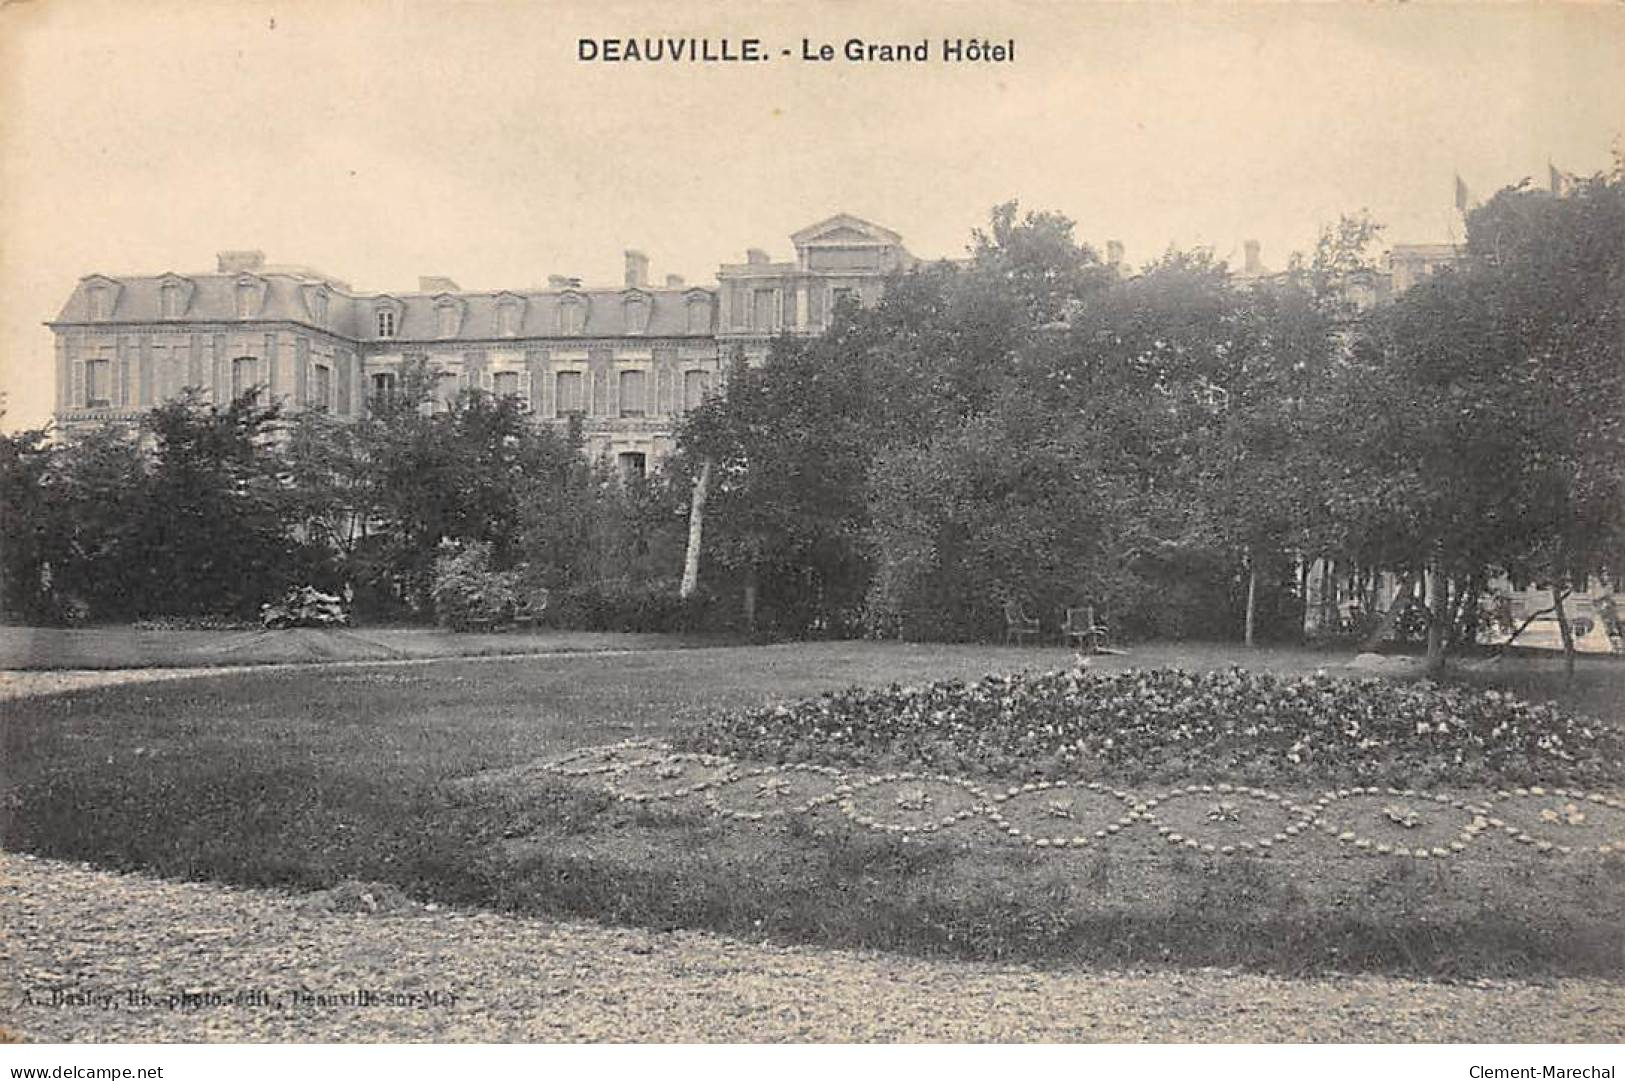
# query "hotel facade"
(627, 361)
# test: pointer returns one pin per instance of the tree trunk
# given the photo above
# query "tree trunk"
(1401, 601)
(1252, 599)
(1467, 614)
(696, 528)
(1438, 620)
(750, 599)
(1567, 631)
(1328, 598)
(1305, 566)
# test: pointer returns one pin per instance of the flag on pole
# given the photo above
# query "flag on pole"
(1461, 194)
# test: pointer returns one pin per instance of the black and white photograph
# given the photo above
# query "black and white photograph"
(1093, 526)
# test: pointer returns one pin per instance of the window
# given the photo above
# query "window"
(634, 465)
(696, 384)
(447, 314)
(632, 403)
(448, 384)
(383, 388)
(169, 301)
(247, 298)
(699, 315)
(508, 319)
(321, 386)
(98, 302)
(637, 314)
(318, 304)
(98, 384)
(386, 323)
(245, 376)
(762, 313)
(568, 398)
(571, 316)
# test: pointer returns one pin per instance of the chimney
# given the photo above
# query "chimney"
(1252, 265)
(235, 262)
(563, 281)
(1114, 253)
(756, 255)
(674, 281)
(637, 269)
(433, 284)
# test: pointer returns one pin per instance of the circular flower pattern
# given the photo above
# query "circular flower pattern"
(1060, 814)
(1560, 820)
(774, 791)
(1216, 818)
(1400, 822)
(1227, 820)
(604, 759)
(670, 776)
(909, 804)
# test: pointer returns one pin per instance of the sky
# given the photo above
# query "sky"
(381, 140)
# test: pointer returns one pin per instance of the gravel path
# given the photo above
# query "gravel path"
(17, 683)
(14, 684)
(262, 966)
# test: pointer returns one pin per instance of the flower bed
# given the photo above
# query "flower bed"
(1167, 723)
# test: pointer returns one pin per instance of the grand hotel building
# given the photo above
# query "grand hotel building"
(629, 361)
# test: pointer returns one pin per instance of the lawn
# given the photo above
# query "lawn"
(420, 776)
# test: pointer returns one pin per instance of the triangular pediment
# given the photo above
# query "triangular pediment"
(844, 229)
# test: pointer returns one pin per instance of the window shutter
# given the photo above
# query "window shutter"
(78, 399)
(524, 388)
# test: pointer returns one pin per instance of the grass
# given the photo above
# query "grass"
(307, 778)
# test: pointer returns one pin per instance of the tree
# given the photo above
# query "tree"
(214, 538)
(792, 446)
(29, 527)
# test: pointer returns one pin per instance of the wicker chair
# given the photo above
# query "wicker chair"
(1017, 623)
(1082, 630)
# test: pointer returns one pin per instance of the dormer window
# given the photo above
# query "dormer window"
(448, 316)
(169, 300)
(572, 315)
(318, 304)
(100, 307)
(637, 313)
(386, 323)
(507, 318)
(247, 298)
(699, 314)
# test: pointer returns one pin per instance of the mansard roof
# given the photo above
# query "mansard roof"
(350, 315)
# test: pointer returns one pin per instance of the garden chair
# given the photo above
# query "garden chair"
(1017, 623)
(1083, 631)
(529, 611)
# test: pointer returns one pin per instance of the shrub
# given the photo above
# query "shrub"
(466, 591)
(649, 608)
(305, 606)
